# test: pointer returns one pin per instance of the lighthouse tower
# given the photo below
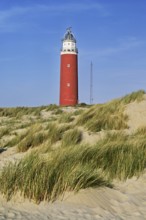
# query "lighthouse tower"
(69, 70)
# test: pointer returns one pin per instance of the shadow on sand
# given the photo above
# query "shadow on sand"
(2, 150)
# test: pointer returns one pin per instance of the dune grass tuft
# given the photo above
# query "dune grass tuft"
(104, 117)
(16, 140)
(32, 138)
(18, 112)
(110, 115)
(52, 107)
(118, 155)
(58, 111)
(41, 178)
(56, 132)
(46, 175)
(134, 96)
(66, 118)
(4, 131)
(72, 137)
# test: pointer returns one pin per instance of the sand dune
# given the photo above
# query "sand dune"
(137, 114)
(127, 200)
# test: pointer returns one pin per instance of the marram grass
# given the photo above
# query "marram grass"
(104, 117)
(32, 138)
(46, 176)
(109, 116)
(4, 131)
(66, 118)
(56, 132)
(47, 173)
(40, 178)
(72, 137)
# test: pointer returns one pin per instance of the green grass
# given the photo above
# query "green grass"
(52, 107)
(116, 156)
(66, 118)
(16, 140)
(83, 105)
(21, 140)
(109, 116)
(32, 140)
(34, 137)
(72, 137)
(104, 117)
(4, 131)
(47, 172)
(20, 111)
(134, 96)
(78, 112)
(41, 178)
(57, 111)
(56, 132)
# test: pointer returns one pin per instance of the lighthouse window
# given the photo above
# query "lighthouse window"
(68, 84)
(68, 65)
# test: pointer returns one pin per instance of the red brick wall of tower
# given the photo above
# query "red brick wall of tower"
(69, 80)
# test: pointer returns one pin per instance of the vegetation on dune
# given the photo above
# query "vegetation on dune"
(78, 112)
(4, 131)
(52, 107)
(83, 105)
(20, 111)
(66, 118)
(72, 137)
(16, 140)
(134, 96)
(49, 177)
(76, 167)
(57, 111)
(47, 172)
(119, 155)
(104, 117)
(109, 116)
(56, 132)
(32, 138)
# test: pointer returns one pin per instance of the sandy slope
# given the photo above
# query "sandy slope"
(137, 114)
(125, 201)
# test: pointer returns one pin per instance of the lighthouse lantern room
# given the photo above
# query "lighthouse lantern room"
(69, 70)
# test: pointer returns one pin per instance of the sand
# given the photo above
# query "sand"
(127, 200)
(137, 114)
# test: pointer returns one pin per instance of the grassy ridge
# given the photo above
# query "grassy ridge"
(110, 115)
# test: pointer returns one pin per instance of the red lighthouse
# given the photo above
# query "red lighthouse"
(69, 70)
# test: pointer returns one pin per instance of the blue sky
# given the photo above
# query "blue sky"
(110, 33)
